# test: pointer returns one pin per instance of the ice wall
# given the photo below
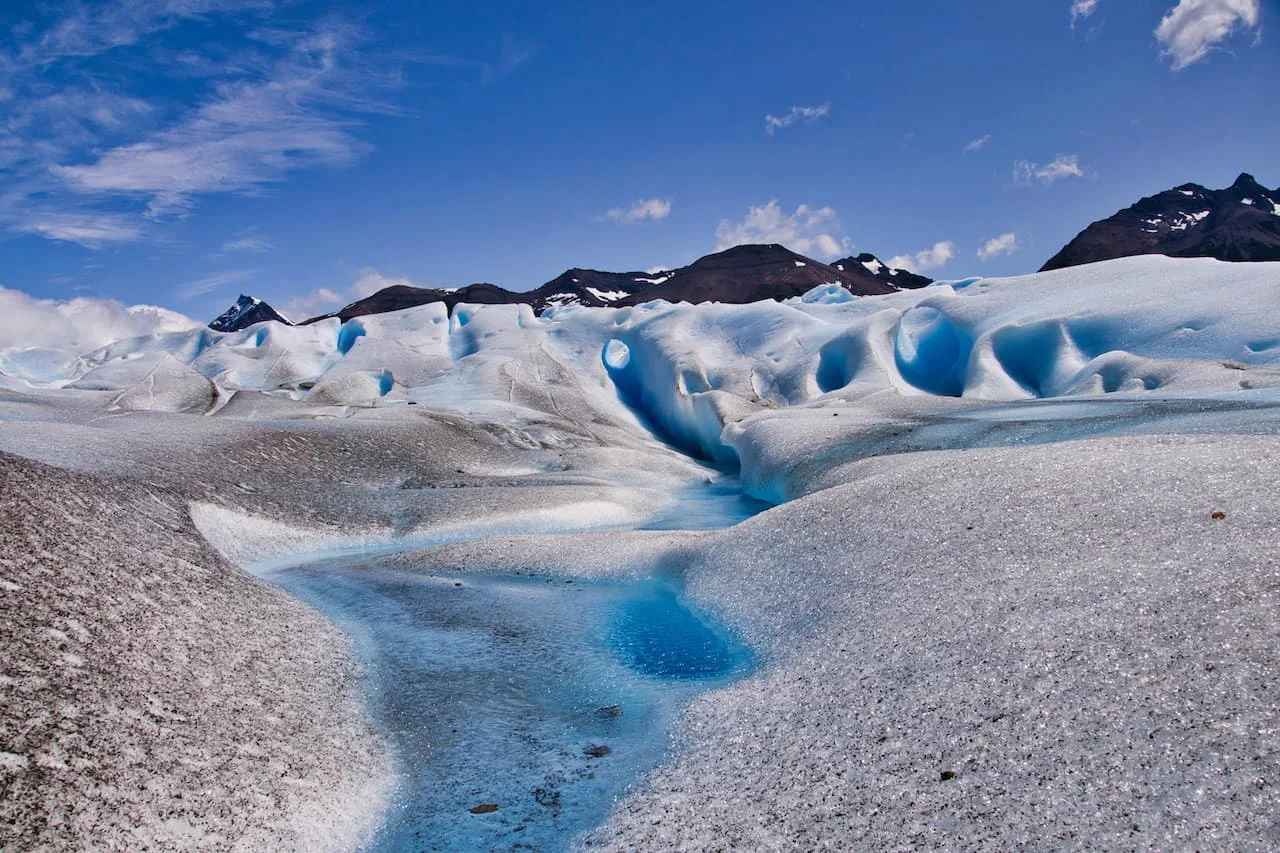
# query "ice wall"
(686, 372)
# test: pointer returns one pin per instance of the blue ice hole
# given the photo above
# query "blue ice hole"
(347, 335)
(543, 696)
(654, 634)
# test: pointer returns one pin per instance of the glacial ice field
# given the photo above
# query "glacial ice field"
(988, 564)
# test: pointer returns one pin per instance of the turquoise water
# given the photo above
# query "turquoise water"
(541, 696)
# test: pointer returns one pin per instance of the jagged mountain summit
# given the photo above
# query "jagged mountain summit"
(591, 288)
(1239, 223)
(755, 272)
(738, 275)
(898, 279)
(245, 312)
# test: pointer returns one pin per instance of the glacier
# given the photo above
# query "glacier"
(1003, 550)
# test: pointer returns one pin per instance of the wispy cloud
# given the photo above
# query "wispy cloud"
(1191, 29)
(91, 230)
(216, 281)
(95, 28)
(248, 243)
(1063, 166)
(82, 159)
(249, 135)
(515, 53)
(935, 256)
(645, 208)
(1081, 9)
(795, 114)
(807, 230)
(978, 144)
(1005, 244)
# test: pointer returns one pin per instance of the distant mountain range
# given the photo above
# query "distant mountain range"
(738, 275)
(1240, 223)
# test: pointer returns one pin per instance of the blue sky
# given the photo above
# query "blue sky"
(179, 152)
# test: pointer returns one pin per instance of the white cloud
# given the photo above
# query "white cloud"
(1191, 29)
(324, 300)
(1081, 9)
(88, 30)
(806, 231)
(1005, 244)
(646, 208)
(76, 151)
(249, 135)
(91, 230)
(795, 114)
(79, 325)
(320, 301)
(247, 244)
(1063, 166)
(371, 281)
(977, 144)
(926, 259)
(215, 281)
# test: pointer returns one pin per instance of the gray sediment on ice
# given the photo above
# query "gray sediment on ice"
(1057, 646)
(155, 697)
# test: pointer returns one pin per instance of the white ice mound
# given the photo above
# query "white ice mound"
(686, 372)
(41, 339)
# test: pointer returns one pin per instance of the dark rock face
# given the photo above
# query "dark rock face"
(751, 273)
(738, 275)
(245, 313)
(867, 264)
(401, 296)
(573, 287)
(1239, 223)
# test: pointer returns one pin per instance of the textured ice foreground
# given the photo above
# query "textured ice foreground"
(1064, 628)
(1020, 590)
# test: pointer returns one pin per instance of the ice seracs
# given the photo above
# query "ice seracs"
(1131, 324)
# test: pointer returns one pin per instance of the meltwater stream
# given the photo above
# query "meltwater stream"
(521, 706)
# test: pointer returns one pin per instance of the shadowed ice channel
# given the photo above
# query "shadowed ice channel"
(542, 696)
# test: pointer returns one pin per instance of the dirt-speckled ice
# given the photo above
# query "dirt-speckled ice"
(1018, 587)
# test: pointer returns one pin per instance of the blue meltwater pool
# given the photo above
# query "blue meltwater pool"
(519, 706)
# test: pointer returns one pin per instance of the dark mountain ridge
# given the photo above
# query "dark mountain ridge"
(1239, 223)
(737, 275)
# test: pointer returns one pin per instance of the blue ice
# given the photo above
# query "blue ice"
(534, 700)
